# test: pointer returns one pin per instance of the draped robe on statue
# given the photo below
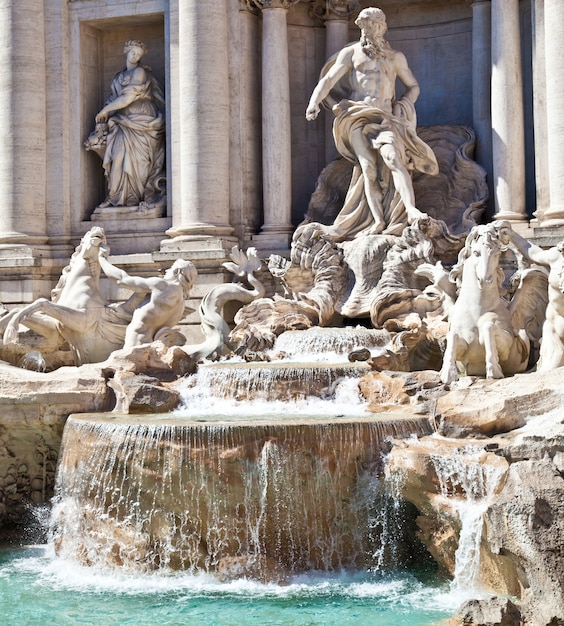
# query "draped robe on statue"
(135, 149)
(378, 128)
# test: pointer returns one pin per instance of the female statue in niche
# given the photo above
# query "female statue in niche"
(129, 136)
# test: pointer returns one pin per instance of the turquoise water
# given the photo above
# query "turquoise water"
(37, 590)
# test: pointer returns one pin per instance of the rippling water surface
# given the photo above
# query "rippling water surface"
(37, 589)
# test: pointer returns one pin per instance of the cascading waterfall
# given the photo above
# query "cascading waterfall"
(469, 484)
(269, 470)
(266, 499)
(284, 381)
(328, 343)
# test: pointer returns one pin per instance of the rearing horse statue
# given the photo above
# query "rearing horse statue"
(78, 312)
(488, 334)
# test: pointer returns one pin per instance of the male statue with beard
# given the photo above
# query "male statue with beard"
(374, 131)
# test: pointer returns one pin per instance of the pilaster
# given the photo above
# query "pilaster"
(554, 63)
(481, 86)
(276, 127)
(200, 206)
(23, 128)
(508, 136)
(335, 14)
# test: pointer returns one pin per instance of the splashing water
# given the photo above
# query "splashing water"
(36, 589)
(328, 344)
(469, 484)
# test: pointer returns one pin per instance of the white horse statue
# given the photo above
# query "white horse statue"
(489, 335)
(77, 312)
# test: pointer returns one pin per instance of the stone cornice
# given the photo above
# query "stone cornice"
(325, 10)
(273, 4)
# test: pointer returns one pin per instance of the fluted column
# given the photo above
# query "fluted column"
(481, 85)
(23, 124)
(276, 130)
(201, 208)
(508, 136)
(335, 14)
(554, 49)
(539, 109)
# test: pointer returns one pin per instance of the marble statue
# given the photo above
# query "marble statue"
(489, 335)
(78, 312)
(214, 327)
(374, 130)
(163, 303)
(552, 344)
(130, 137)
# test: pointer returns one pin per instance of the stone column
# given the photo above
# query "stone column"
(508, 136)
(200, 209)
(23, 128)
(276, 134)
(554, 50)
(481, 86)
(335, 14)
(539, 109)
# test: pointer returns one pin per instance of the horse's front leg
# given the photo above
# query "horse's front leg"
(11, 330)
(454, 346)
(73, 318)
(6, 319)
(490, 334)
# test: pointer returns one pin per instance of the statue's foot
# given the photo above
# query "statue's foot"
(104, 205)
(449, 373)
(377, 228)
(415, 214)
(494, 371)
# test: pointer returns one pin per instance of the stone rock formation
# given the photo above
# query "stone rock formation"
(35, 407)
(486, 612)
(505, 438)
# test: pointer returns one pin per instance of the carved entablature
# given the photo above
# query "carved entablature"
(325, 10)
(274, 4)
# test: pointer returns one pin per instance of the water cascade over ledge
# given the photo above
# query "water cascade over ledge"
(256, 497)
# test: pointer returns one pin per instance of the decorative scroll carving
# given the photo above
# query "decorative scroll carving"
(333, 9)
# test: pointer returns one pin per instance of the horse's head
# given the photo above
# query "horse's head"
(89, 247)
(484, 247)
(81, 261)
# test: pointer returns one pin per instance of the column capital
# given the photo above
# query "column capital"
(326, 10)
(273, 4)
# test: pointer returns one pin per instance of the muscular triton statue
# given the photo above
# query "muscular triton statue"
(374, 131)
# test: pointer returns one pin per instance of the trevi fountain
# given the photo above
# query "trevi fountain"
(282, 326)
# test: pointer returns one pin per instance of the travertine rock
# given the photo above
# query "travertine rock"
(137, 393)
(518, 447)
(492, 611)
(34, 407)
(481, 407)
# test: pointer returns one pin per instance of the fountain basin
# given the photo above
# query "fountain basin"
(264, 498)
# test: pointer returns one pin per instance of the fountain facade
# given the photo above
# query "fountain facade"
(268, 498)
